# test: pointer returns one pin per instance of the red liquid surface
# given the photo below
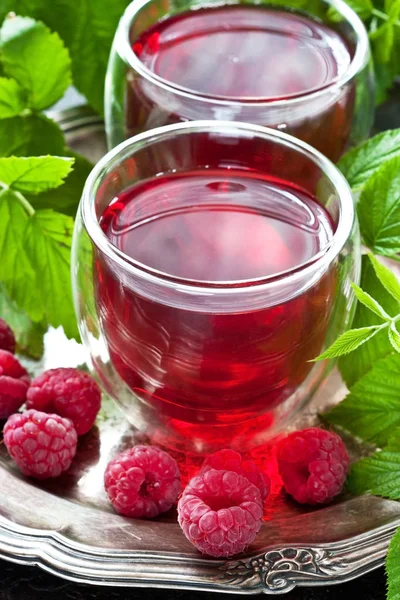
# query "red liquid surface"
(244, 53)
(198, 366)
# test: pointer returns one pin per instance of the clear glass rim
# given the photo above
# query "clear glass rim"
(359, 61)
(124, 150)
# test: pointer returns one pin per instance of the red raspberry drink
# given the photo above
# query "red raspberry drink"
(258, 64)
(223, 255)
(206, 366)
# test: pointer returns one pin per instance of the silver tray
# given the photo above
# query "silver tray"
(68, 528)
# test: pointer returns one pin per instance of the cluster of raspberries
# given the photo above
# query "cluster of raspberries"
(220, 510)
(62, 404)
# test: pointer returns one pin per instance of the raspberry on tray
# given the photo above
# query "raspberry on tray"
(7, 338)
(14, 383)
(229, 460)
(313, 464)
(220, 512)
(67, 392)
(42, 445)
(143, 481)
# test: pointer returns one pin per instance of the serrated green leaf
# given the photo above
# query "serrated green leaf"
(355, 365)
(370, 302)
(372, 409)
(387, 278)
(363, 161)
(35, 174)
(87, 28)
(48, 243)
(37, 59)
(66, 198)
(383, 38)
(382, 41)
(392, 7)
(12, 98)
(393, 568)
(16, 272)
(378, 474)
(394, 337)
(349, 341)
(32, 135)
(379, 209)
(29, 335)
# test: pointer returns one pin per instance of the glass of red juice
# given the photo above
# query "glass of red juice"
(302, 67)
(212, 262)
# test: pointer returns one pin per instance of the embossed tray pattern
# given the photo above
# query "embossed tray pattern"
(68, 528)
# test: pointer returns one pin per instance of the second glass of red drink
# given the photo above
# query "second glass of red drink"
(212, 262)
(302, 67)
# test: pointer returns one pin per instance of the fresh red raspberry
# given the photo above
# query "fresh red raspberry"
(229, 460)
(42, 445)
(313, 464)
(143, 481)
(7, 338)
(67, 392)
(220, 512)
(14, 383)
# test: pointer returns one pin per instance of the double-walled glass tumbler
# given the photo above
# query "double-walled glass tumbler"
(212, 262)
(302, 67)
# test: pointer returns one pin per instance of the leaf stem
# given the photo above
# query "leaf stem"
(21, 199)
(381, 15)
(24, 202)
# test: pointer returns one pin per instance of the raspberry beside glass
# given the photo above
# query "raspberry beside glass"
(304, 73)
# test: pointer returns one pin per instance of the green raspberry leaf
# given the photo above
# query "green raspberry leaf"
(372, 409)
(48, 242)
(394, 337)
(66, 198)
(393, 568)
(33, 135)
(29, 335)
(378, 473)
(387, 278)
(358, 363)
(35, 174)
(12, 98)
(349, 341)
(370, 302)
(361, 162)
(37, 59)
(87, 28)
(382, 41)
(16, 272)
(379, 210)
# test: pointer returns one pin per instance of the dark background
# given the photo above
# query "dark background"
(29, 583)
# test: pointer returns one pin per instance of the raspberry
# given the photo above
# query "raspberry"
(42, 445)
(313, 464)
(67, 392)
(229, 460)
(14, 383)
(142, 482)
(220, 512)
(7, 338)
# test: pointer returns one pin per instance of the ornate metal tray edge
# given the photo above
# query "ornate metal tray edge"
(274, 571)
